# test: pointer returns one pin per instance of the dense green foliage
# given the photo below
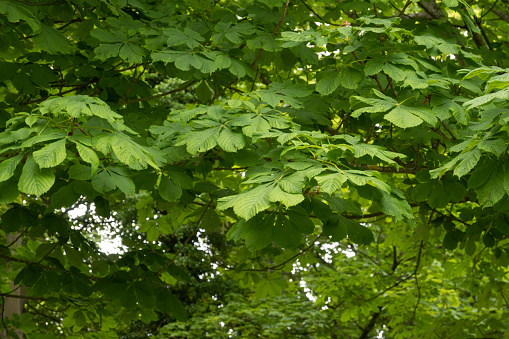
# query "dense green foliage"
(275, 169)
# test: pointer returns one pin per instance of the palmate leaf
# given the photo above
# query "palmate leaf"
(330, 183)
(51, 155)
(34, 180)
(102, 182)
(51, 40)
(130, 153)
(375, 105)
(484, 99)
(248, 203)
(77, 106)
(284, 233)
(403, 118)
(376, 151)
(201, 141)
(462, 164)
(231, 141)
(399, 208)
(124, 183)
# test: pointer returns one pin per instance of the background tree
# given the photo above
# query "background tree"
(273, 168)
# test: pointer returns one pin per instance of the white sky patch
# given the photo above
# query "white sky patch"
(108, 243)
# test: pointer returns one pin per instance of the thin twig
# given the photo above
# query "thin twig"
(135, 80)
(19, 236)
(490, 9)
(281, 265)
(36, 101)
(282, 19)
(162, 94)
(51, 250)
(43, 4)
(15, 296)
(318, 16)
(402, 12)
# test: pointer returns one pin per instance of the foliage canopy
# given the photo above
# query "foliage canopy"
(274, 168)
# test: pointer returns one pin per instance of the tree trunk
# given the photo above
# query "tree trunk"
(12, 305)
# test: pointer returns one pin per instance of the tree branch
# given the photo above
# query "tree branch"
(318, 16)
(281, 265)
(162, 94)
(43, 4)
(186, 241)
(371, 324)
(501, 15)
(15, 296)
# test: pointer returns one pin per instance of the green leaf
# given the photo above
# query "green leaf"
(106, 51)
(102, 181)
(468, 162)
(168, 303)
(203, 141)
(401, 117)
(51, 40)
(285, 234)
(130, 153)
(131, 53)
(79, 172)
(495, 146)
(8, 166)
(249, 203)
(330, 183)
(168, 190)
(492, 190)
(373, 66)
(231, 141)
(34, 180)
(51, 155)
(335, 228)
(88, 155)
(329, 83)
(357, 233)
(237, 68)
(64, 197)
(9, 191)
(287, 199)
(124, 183)
(210, 220)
